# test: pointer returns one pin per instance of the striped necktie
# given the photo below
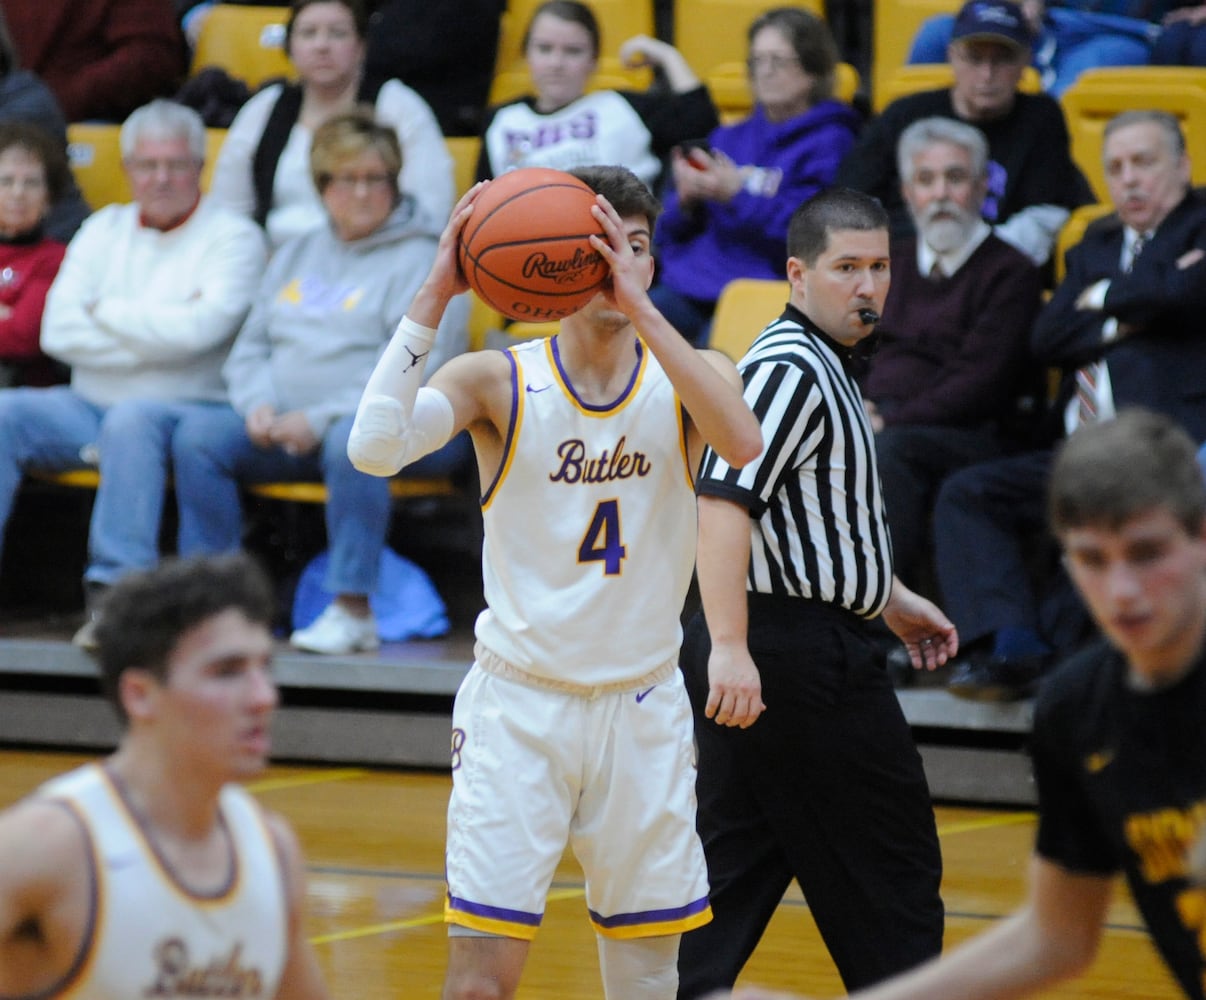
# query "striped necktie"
(1088, 376)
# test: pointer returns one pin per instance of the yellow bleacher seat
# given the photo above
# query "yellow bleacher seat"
(1073, 230)
(895, 22)
(94, 152)
(1098, 95)
(730, 88)
(712, 33)
(464, 150)
(745, 306)
(611, 75)
(247, 42)
(618, 21)
(931, 76)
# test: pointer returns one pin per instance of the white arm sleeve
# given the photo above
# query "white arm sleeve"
(384, 439)
(388, 418)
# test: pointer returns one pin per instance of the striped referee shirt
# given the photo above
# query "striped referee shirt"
(816, 508)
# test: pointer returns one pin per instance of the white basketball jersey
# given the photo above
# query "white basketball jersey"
(153, 937)
(589, 526)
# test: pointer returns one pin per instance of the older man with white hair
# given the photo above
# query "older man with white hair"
(944, 386)
(144, 308)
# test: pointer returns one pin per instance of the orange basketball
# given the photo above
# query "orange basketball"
(526, 249)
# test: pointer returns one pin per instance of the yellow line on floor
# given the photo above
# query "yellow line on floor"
(987, 823)
(426, 921)
(310, 778)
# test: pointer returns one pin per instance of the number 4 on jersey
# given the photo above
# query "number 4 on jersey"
(601, 543)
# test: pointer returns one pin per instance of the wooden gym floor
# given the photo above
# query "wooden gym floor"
(374, 840)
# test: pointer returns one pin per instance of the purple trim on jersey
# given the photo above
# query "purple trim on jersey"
(71, 978)
(628, 389)
(651, 916)
(512, 421)
(494, 912)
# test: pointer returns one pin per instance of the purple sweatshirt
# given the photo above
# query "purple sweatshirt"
(703, 247)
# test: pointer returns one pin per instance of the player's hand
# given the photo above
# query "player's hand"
(927, 633)
(291, 432)
(446, 278)
(630, 274)
(258, 424)
(734, 687)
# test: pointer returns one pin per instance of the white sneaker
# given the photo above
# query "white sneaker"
(337, 631)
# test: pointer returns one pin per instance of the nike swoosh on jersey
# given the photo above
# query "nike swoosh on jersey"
(641, 696)
(541, 388)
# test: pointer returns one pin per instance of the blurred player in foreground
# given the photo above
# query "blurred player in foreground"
(573, 726)
(151, 873)
(1119, 743)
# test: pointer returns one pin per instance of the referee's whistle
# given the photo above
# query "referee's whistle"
(868, 316)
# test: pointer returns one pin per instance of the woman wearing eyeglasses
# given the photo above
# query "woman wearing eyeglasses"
(727, 211)
(564, 126)
(327, 306)
(262, 170)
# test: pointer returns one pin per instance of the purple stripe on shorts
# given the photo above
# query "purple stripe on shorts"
(651, 916)
(494, 912)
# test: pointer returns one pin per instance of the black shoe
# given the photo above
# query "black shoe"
(995, 678)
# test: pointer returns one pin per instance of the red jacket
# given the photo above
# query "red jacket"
(26, 273)
(102, 58)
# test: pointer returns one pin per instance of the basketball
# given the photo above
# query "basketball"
(525, 249)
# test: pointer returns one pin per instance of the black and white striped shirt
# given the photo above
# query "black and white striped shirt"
(818, 524)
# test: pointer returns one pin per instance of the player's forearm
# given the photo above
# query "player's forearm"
(712, 399)
(721, 566)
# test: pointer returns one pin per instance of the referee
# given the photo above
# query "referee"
(794, 557)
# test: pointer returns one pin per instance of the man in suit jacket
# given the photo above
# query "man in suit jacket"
(1125, 328)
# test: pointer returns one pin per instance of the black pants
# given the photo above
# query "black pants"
(826, 787)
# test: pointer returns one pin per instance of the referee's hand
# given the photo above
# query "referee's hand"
(734, 687)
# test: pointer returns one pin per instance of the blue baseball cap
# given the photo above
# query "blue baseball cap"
(992, 21)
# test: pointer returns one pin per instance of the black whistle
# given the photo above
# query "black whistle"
(868, 316)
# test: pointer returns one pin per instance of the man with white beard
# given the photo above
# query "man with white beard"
(949, 381)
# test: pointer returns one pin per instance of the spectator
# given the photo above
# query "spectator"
(451, 70)
(143, 309)
(25, 98)
(1032, 182)
(33, 175)
(563, 126)
(1182, 38)
(1125, 328)
(952, 361)
(101, 58)
(728, 208)
(327, 306)
(263, 169)
(1074, 35)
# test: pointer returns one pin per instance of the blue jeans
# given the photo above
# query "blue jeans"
(1071, 41)
(213, 455)
(47, 428)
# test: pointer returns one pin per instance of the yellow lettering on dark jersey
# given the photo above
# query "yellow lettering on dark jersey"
(1161, 840)
(611, 465)
(178, 976)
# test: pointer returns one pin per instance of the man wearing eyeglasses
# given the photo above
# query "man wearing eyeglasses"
(1033, 184)
(143, 310)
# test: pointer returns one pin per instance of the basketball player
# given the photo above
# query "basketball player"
(573, 725)
(1119, 743)
(151, 873)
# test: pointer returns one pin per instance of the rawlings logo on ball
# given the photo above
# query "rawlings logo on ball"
(563, 270)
